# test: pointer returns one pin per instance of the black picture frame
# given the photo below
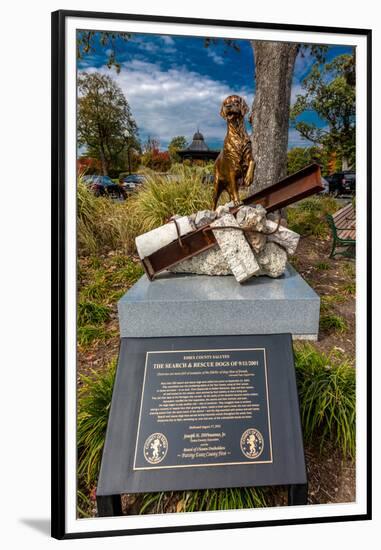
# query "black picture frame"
(58, 247)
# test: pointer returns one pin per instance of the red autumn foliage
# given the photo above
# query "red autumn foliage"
(88, 166)
(159, 161)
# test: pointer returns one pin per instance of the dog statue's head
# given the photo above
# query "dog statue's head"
(233, 106)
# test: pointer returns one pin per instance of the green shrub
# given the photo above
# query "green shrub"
(332, 321)
(327, 396)
(317, 203)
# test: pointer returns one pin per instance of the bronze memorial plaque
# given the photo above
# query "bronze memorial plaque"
(204, 408)
(199, 412)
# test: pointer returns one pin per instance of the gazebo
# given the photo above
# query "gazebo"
(198, 150)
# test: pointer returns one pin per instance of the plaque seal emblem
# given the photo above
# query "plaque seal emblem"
(155, 448)
(252, 443)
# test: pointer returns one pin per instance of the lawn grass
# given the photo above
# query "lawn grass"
(100, 285)
(327, 303)
(349, 288)
(322, 266)
(349, 269)
(92, 313)
(331, 321)
(88, 334)
(307, 217)
(97, 288)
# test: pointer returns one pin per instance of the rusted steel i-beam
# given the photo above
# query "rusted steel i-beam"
(287, 191)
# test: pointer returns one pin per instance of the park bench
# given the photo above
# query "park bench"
(343, 226)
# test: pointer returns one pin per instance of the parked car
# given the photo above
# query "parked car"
(103, 186)
(325, 184)
(208, 179)
(342, 183)
(132, 182)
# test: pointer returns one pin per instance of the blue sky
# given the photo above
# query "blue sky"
(175, 84)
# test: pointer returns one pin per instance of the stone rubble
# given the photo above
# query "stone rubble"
(263, 248)
(235, 248)
(253, 216)
(224, 209)
(272, 260)
(285, 237)
(210, 262)
(150, 242)
(267, 253)
(204, 217)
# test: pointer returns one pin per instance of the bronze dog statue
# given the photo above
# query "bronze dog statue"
(235, 162)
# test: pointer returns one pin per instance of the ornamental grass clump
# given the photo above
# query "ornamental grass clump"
(331, 321)
(327, 396)
(182, 192)
(204, 500)
(94, 401)
(104, 224)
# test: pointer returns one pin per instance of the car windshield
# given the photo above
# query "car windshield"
(134, 177)
(106, 180)
(100, 180)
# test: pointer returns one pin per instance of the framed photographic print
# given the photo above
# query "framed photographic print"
(211, 330)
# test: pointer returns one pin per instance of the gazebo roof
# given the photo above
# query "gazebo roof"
(198, 149)
(198, 143)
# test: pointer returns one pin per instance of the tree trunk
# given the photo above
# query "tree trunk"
(104, 163)
(274, 66)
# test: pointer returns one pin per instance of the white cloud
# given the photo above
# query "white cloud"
(303, 61)
(150, 47)
(296, 90)
(296, 140)
(215, 57)
(168, 40)
(173, 102)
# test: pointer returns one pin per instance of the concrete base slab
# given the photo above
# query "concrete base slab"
(196, 305)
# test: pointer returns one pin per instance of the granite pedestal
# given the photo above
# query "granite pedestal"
(197, 305)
